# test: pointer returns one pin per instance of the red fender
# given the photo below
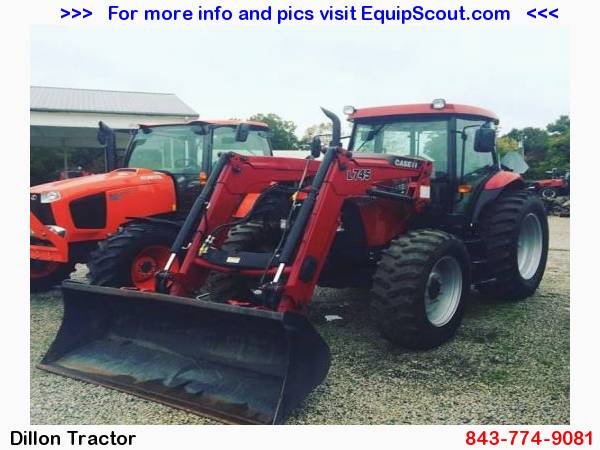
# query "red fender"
(502, 179)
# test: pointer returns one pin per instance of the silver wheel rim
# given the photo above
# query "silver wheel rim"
(443, 291)
(549, 193)
(529, 251)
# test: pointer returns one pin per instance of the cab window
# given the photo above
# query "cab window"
(176, 149)
(424, 139)
(257, 143)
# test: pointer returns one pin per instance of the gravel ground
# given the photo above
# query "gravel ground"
(509, 364)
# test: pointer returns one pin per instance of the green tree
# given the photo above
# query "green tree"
(283, 131)
(506, 144)
(535, 143)
(545, 149)
(320, 129)
(561, 125)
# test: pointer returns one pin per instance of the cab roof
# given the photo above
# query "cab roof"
(421, 108)
(221, 122)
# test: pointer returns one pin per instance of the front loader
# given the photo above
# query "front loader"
(417, 209)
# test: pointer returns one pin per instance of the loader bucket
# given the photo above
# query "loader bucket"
(235, 364)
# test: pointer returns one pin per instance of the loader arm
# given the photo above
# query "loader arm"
(346, 177)
(295, 270)
(238, 177)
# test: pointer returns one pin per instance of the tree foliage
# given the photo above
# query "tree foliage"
(320, 129)
(283, 131)
(505, 144)
(545, 149)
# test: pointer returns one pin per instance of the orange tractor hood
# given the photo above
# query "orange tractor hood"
(91, 207)
(120, 178)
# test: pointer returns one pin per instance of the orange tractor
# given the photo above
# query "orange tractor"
(164, 169)
(417, 209)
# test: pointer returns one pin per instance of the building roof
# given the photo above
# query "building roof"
(109, 102)
(421, 108)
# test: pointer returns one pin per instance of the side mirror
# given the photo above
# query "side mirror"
(106, 138)
(485, 140)
(241, 132)
(104, 133)
(315, 147)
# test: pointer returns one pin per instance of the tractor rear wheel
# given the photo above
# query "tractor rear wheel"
(419, 289)
(248, 237)
(43, 275)
(132, 256)
(515, 235)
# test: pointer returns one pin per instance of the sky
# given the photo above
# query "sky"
(521, 74)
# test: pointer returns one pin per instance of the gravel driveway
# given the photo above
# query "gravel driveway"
(509, 364)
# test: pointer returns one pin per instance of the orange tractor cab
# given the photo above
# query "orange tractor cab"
(165, 167)
(417, 209)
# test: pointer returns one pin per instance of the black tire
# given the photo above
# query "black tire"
(400, 284)
(500, 226)
(249, 237)
(549, 193)
(48, 281)
(111, 263)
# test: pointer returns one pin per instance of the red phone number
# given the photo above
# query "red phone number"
(526, 437)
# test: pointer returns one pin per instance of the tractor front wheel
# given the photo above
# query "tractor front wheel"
(132, 256)
(43, 275)
(515, 235)
(419, 289)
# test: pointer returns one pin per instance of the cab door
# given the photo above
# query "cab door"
(474, 170)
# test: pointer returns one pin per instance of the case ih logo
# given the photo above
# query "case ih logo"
(406, 163)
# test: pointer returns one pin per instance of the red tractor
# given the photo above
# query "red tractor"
(417, 209)
(164, 169)
(557, 185)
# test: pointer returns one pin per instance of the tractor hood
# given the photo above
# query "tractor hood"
(88, 208)
(120, 178)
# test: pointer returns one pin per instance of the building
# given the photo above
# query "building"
(64, 124)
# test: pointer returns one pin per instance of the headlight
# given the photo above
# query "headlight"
(349, 109)
(49, 196)
(58, 230)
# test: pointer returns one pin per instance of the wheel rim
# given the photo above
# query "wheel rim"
(41, 269)
(529, 252)
(146, 263)
(443, 291)
(549, 193)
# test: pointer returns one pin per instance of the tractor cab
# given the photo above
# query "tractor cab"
(188, 151)
(457, 139)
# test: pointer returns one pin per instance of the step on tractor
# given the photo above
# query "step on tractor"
(417, 209)
(165, 167)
